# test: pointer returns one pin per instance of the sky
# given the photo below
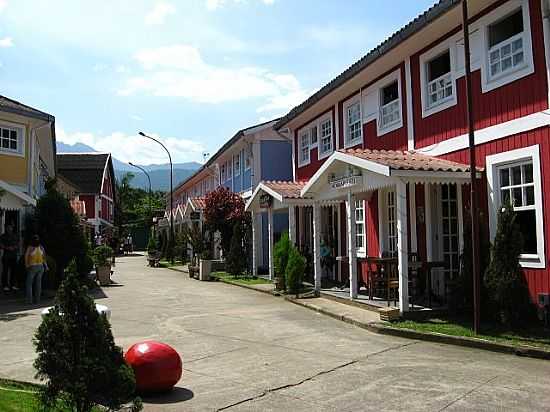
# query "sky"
(190, 72)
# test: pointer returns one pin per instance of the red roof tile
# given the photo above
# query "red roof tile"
(407, 160)
(199, 203)
(288, 190)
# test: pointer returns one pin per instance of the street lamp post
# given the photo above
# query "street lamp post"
(150, 189)
(171, 194)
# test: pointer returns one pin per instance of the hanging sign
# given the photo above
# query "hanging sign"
(352, 177)
(265, 201)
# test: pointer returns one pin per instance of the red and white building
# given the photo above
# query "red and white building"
(380, 154)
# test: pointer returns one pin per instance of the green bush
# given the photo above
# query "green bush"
(504, 276)
(84, 260)
(102, 255)
(280, 255)
(295, 269)
(77, 355)
(235, 260)
(152, 245)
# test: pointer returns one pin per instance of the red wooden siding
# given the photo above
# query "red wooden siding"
(89, 200)
(371, 218)
(519, 98)
(538, 279)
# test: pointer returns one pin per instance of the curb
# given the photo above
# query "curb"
(177, 270)
(267, 292)
(383, 329)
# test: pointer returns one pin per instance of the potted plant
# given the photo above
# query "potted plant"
(102, 261)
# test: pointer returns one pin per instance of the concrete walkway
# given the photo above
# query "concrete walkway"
(249, 351)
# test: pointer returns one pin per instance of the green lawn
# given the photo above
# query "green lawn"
(529, 336)
(166, 263)
(21, 397)
(239, 280)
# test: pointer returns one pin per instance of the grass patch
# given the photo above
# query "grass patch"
(535, 336)
(239, 280)
(167, 264)
(22, 397)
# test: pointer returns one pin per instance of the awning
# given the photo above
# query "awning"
(14, 199)
(276, 194)
(361, 170)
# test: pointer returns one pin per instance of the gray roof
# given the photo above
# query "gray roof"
(84, 170)
(15, 107)
(413, 27)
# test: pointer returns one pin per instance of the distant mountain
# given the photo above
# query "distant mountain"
(159, 173)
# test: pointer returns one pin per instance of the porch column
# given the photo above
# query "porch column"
(402, 249)
(254, 217)
(292, 224)
(352, 251)
(317, 246)
(270, 242)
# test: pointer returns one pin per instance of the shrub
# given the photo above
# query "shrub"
(295, 269)
(77, 355)
(102, 255)
(85, 261)
(504, 277)
(280, 255)
(236, 260)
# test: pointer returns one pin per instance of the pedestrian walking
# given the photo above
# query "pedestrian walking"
(35, 262)
(9, 244)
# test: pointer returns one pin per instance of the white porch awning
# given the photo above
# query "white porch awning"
(13, 198)
(277, 195)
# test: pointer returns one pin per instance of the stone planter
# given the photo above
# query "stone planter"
(205, 268)
(104, 274)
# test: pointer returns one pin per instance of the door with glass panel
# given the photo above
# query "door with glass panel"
(450, 231)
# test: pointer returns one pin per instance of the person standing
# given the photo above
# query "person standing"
(35, 262)
(9, 243)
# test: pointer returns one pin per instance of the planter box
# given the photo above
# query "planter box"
(104, 275)
(205, 268)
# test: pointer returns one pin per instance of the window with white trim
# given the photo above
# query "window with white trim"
(229, 168)
(516, 186)
(222, 173)
(237, 164)
(325, 146)
(353, 133)
(247, 159)
(439, 79)
(360, 242)
(10, 139)
(515, 177)
(392, 223)
(390, 106)
(506, 45)
(304, 154)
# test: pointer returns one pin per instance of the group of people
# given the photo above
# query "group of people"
(35, 264)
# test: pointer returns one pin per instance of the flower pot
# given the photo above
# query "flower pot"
(104, 274)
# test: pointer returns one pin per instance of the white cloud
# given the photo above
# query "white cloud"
(216, 4)
(3, 5)
(158, 14)
(136, 117)
(6, 42)
(135, 148)
(180, 71)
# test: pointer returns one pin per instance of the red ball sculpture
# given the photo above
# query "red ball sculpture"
(157, 366)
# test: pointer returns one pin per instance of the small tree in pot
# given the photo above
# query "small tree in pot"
(280, 259)
(102, 260)
(294, 273)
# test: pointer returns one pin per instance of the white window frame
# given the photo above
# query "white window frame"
(351, 102)
(382, 130)
(229, 168)
(493, 163)
(488, 83)
(425, 59)
(361, 251)
(21, 133)
(237, 164)
(222, 173)
(321, 154)
(247, 160)
(304, 134)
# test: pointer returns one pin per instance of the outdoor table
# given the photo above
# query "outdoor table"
(381, 264)
(437, 264)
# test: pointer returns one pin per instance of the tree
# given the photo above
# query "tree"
(235, 263)
(295, 269)
(280, 255)
(504, 277)
(223, 209)
(58, 227)
(77, 355)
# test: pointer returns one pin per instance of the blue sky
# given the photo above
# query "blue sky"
(192, 72)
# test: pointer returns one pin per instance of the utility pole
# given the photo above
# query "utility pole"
(473, 171)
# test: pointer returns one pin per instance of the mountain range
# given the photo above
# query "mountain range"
(159, 173)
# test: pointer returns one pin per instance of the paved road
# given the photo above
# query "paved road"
(246, 351)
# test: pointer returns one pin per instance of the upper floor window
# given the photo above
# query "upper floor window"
(304, 146)
(325, 146)
(506, 45)
(229, 168)
(11, 139)
(237, 164)
(247, 160)
(353, 133)
(222, 173)
(440, 82)
(390, 106)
